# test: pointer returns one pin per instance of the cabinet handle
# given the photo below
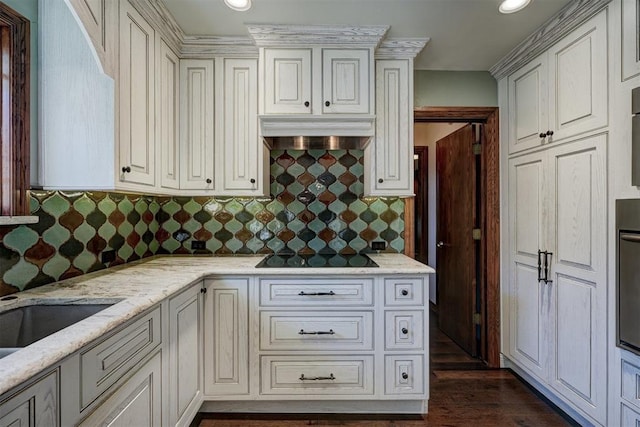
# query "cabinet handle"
(203, 290)
(547, 266)
(404, 292)
(306, 103)
(549, 133)
(329, 332)
(303, 378)
(327, 103)
(315, 294)
(253, 181)
(208, 181)
(404, 331)
(405, 375)
(380, 180)
(542, 135)
(540, 278)
(126, 169)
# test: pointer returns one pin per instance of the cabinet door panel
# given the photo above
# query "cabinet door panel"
(578, 80)
(528, 105)
(167, 110)
(37, 405)
(287, 81)
(239, 151)
(577, 229)
(184, 356)
(137, 97)
(345, 80)
(391, 171)
(528, 309)
(226, 340)
(196, 124)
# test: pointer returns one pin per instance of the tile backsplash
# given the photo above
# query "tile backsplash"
(316, 205)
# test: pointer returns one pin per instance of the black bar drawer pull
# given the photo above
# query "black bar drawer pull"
(330, 377)
(315, 294)
(329, 332)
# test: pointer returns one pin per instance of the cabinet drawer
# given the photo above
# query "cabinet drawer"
(316, 330)
(311, 375)
(404, 374)
(631, 383)
(106, 362)
(316, 292)
(407, 291)
(404, 330)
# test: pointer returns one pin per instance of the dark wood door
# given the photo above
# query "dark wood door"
(455, 248)
(420, 187)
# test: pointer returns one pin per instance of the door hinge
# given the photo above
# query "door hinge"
(477, 148)
(477, 234)
(477, 319)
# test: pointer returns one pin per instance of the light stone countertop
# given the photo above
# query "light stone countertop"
(136, 287)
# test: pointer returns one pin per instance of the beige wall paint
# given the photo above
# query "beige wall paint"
(427, 134)
(454, 89)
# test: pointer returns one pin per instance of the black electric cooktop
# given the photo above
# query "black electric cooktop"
(316, 261)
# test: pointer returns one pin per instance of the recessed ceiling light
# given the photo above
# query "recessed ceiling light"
(239, 5)
(511, 6)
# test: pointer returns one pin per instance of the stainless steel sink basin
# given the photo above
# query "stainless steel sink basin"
(22, 326)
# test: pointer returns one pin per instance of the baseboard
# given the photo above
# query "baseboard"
(418, 407)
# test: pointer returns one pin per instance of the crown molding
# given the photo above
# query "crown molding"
(211, 46)
(161, 20)
(406, 48)
(566, 20)
(278, 35)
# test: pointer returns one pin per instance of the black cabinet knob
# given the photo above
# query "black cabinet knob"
(253, 181)
(405, 331)
(542, 135)
(208, 181)
(405, 375)
(306, 103)
(327, 103)
(549, 133)
(126, 169)
(380, 180)
(404, 292)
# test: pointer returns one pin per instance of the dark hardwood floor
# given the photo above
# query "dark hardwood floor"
(463, 393)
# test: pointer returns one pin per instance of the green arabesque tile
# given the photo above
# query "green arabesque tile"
(20, 239)
(21, 274)
(56, 205)
(84, 205)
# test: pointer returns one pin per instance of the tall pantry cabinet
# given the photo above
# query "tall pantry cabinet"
(554, 291)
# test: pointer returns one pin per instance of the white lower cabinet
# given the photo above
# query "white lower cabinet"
(35, 405)
(185, 355)
(137, 402)
(317, 338)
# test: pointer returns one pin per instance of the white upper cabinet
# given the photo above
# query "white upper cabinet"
(317, 80)
(196, 124)
(389, 158)
(167, 111)
(287, 76)
(563, 92)
(239, 151)
(136, 99)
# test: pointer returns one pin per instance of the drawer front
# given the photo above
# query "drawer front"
(105, 363)
(408, 291)
(316, 330)
(404, 375)
(310, 375)
(316, 292)
(629, 417)
(404, 330)
(631, 383)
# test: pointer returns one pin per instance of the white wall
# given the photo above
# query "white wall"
(427, 134)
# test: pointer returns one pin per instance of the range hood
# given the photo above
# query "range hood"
(329, 132)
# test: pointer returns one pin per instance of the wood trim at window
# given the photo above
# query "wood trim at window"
(14, 114)
(490, 216)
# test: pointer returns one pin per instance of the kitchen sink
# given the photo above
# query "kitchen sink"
(25, 325)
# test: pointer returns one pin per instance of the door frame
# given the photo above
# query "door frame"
(490, 217)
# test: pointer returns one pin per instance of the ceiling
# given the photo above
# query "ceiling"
(465, 34)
